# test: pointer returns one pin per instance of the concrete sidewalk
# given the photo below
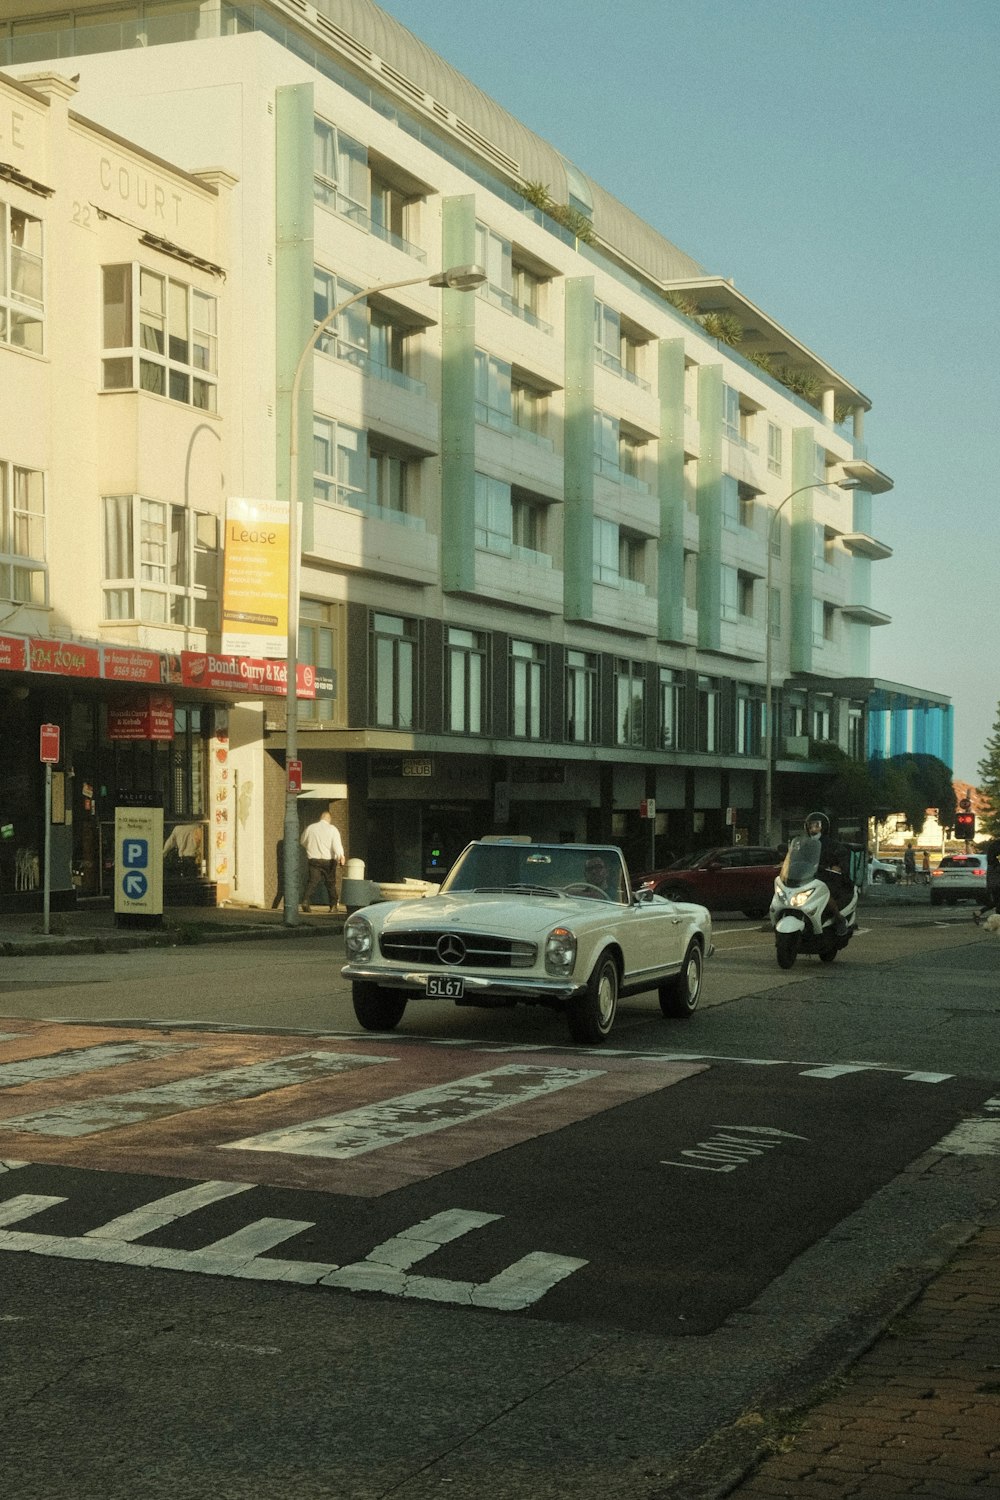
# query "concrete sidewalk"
(918, 1414)
(93, 929)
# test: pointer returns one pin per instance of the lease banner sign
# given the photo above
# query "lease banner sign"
(255, 578)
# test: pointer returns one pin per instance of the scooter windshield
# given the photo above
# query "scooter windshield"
(802, 860)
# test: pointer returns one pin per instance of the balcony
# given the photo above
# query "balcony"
(863, 545)
(863, 614)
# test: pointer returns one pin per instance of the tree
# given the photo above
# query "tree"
(989, 786)
(907, 784)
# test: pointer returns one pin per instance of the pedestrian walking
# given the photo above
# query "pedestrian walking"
(909, 865)
(925, 868)
(992, 904)
(324, 852)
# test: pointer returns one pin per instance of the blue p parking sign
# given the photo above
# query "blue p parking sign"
(139, 861)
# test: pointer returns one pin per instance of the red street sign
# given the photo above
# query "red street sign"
(294, 775)
(48, 744)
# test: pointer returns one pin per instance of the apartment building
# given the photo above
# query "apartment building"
(539, 521)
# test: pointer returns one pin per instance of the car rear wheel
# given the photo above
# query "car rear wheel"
(679, 996)
(377, 1009)
(592, 1016)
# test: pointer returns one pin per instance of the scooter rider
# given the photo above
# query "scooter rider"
(833, 866)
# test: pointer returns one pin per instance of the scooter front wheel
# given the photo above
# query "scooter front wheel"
(786, 948)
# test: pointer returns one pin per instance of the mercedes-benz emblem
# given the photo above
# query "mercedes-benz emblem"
(450, 948)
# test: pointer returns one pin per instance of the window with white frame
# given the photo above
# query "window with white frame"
(823, 621)
(391, 213)
(529, 405)
(466, 680)
(161, 563)
(340, 172)
(348, 337)
(23, 567)
(392, 484)
(494, 518)
(22, 280)
(731, 413)
(618, 452)
(495, 255)
(581, 697)
(528, 661)
(340, 463)
(493, 397)
(630, 702)
(160, 335)
(729, 589)
(393, 667)
(528, 516)
(671, 727)
(617, 346)
(773, 448)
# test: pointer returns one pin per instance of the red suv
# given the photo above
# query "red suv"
(735, 878)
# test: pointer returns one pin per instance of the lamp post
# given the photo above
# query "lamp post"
(817, 484)
(460, 279)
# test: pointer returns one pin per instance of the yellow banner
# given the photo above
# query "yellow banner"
(255, 579)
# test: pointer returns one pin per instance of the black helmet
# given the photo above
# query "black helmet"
(821, 819)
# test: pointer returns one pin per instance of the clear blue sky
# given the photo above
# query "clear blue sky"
(840, 163)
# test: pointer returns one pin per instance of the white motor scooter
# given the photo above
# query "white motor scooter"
(799, 912)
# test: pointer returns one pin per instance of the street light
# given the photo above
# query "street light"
(459, 279)
(817, 484)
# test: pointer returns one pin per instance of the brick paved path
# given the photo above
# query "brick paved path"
(919, 1413)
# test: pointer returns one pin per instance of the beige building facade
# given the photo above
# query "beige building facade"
(539, 521)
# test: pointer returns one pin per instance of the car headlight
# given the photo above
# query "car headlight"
(802, 898)
(560, 952)
(358, 938)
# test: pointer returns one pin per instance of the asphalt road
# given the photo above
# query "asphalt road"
(509, 1265)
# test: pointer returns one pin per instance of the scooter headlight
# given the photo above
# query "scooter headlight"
(802, 898)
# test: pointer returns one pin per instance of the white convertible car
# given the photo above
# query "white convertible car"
(540, 924)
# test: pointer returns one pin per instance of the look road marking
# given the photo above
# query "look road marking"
(358, 1131)
(384, 1269)
(84, 1060)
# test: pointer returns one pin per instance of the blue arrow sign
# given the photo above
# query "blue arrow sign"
(135, 885)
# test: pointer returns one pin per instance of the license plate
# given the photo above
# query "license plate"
(444, 987)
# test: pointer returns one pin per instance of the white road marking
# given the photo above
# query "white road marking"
(385, 1269)
(927, 1077)
(109, 1111)
(132, 1226)
(358, 1131)
(836, 1070)
(13, 1210)
(12, 1166)
(84, 1060)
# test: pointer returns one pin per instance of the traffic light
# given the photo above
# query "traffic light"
(965, 826)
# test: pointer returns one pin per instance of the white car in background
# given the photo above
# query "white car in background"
(541, 924)
(884, 871)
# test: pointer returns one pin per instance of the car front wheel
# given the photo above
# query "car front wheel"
(592, 1016)
(377, 1009)
(679, 996)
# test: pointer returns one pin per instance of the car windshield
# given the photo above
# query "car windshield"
(540, 870)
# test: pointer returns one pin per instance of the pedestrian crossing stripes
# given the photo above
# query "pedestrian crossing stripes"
(387, 1268)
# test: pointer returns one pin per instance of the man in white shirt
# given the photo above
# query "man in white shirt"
(324, 851)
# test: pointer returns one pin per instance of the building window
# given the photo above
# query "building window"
(529, 404)
(856, 748)
(340, 173)
(161, 563)
(317, 647)
(160, 335)
(749, 720)
(22, 281)
(494, 518)
(493, 400)
(23, 570)
(617, 346)
(581, 697)
(391, 485)
(745, 583)
(630, 702)
(618, 452)
(466, 681)
(340, 464)
(393, 664)
(773, 448)
(391, 213)
(822, 718)
(671, 728)
(495, 255)
(348, 337)
(823, 621)
(527, 690)
(774, 614)
(619, 557)
(709, 712)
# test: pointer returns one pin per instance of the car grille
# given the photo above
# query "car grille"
(457, 950)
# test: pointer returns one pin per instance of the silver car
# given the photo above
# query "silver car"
(959, 877)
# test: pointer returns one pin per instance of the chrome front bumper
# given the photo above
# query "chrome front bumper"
(477, 986)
